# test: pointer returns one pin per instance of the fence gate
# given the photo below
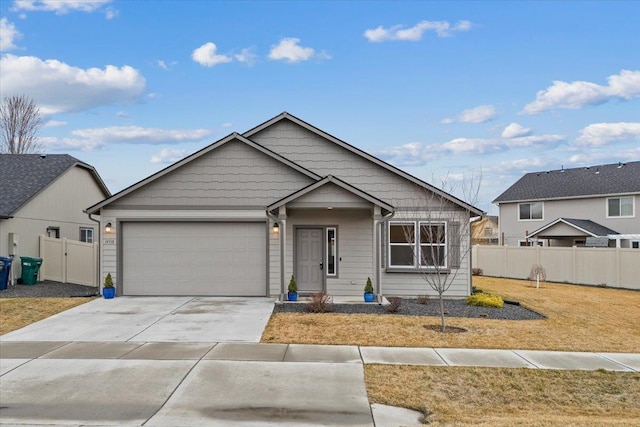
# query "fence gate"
(68, 261)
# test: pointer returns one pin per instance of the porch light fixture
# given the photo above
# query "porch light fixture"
(276, 227)
(107, 228)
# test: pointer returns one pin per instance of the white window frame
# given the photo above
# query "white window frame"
(530, 219)
(530, 244)
(86, 229)
(619, 198)
(417, 245)
(335, 253)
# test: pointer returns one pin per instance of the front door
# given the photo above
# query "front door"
(309, 263)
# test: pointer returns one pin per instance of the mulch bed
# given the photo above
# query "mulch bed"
(411, 307)
(49, 289)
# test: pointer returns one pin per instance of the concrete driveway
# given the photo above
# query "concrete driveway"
(155, 319)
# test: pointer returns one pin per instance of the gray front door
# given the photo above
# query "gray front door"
(309, 267)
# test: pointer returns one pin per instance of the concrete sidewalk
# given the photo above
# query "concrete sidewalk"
(13, 354)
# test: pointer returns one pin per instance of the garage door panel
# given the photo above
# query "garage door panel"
(173, 258)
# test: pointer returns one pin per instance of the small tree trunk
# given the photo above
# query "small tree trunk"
(444, 325)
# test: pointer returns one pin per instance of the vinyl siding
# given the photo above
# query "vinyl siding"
(329, 195)
(327, 158)
(60, 205)
(232, 175)
(594, 209)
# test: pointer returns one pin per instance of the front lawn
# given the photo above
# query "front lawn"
(579, 318)
(16, 313)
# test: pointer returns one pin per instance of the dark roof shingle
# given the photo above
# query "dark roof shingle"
(617, 178)
(22, 176)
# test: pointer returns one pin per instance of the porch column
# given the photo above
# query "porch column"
(282, 218)
(377, 217)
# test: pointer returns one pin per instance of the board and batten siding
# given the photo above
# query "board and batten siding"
(327, 158)
(232, 175)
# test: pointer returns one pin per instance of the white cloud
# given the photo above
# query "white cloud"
(415, 33)
(122, 115)
(246, 56)
(411, 154)
(60, 7)
(227, 125)
(58, 87)
(579, 94)
(598, 134)
(162, 64)
(514, 130)
(206, 55)
(96, 138)
(8, 35)
(169, 155)
(111, 13)
(290, 51)
(54, 124)
(479, 114)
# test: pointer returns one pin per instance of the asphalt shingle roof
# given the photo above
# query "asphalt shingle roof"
(590, 226)
(617, 178)
(22, 176)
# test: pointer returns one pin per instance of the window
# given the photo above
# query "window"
(332, 251)
(530, 243)
(488, 232)
(529, 211)
(431, 252)
(635, 244)
(53, 232)
(86, 234)
(620, 207)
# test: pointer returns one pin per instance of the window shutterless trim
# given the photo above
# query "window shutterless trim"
(619, 198)
(530, 213)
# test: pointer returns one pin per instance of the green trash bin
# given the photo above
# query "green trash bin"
(30, 268)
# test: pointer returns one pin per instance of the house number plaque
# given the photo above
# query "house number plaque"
(109, 241)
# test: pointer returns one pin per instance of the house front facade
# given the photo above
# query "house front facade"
(244, 214)
(45, 195)
(595, 205)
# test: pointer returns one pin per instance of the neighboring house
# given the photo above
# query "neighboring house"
(242, 215)
(485, 231)
(45, 195)
(588, 206)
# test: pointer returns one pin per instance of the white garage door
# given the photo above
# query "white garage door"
(194, 258)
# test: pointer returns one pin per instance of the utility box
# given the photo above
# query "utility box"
(14, 242)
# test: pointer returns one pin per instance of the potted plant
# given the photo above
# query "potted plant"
(108, 290)
(368, 291)
(292, 295)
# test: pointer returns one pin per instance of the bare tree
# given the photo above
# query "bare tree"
(441, 238)
(20, 122)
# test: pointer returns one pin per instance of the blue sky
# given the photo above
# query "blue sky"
(435, 88)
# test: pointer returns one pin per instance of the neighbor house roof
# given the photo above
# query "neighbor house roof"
(583, 225)
(24, 176)
(603, 180)
(357, 151)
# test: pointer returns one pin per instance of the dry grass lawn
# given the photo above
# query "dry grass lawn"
(16, 313)
(507, 397)
(579, 318)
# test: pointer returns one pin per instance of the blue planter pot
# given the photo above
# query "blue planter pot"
(292, 296)
(369, 297)
(108, 293)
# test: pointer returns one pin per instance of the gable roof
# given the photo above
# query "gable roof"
(337, 181)
(583, 225)
(231, 137)
(24, 176)
(357, 151)
(603, 180)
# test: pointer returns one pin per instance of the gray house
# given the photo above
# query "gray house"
(242, 215)
(45, 195)
(588, 206)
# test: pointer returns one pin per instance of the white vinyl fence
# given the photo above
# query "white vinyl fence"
(68, 261)
(613, 267)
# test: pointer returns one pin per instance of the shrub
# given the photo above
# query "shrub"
(320, 303)
(476, 271)
(108, 281)
(485, 300)
(293, 286)
(368, 288)
(423, 299)
(394, 304)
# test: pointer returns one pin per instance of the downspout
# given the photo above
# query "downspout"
(376, 223)
(282, 225)
(99, 251)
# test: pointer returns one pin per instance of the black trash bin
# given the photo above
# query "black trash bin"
(5, 270)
